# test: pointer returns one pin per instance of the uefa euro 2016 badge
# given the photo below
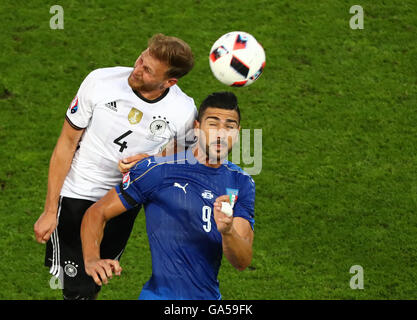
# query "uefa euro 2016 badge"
(232, 193)
(74, 105)
(126, 180)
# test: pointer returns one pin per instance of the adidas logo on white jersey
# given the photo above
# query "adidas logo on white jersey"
(111, 105)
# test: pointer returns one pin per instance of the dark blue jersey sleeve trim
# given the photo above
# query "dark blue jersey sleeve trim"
(127, 200)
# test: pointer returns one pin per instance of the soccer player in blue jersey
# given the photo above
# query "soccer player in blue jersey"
(188, 232)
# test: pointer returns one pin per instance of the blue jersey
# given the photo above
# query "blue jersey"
(178, 196)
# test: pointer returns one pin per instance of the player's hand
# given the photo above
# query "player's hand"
(102, 269)
(129, 162)
(223, 222)
(44, 226)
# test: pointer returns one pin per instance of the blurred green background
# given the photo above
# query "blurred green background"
(337, 109)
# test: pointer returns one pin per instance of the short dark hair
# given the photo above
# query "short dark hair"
(223, 100)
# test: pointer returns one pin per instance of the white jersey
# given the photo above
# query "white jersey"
(119, 123)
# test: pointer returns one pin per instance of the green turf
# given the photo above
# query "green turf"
(336, 107)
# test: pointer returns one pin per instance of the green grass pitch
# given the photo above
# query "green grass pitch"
(337, 109)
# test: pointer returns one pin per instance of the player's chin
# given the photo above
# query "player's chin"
(218, 155)
(134, 82)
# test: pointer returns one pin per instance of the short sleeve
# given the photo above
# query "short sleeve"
(245, 204)
(139, 183)
(185, 135)
(81, 108)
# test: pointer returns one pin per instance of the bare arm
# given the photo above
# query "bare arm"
(237, 236)
(58, 168)
(92, 228)
(126, 164)
(237, 244)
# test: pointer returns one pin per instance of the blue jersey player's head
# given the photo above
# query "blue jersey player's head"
(217, 127)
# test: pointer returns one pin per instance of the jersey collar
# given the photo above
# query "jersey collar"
(191, 159)
(151, 101)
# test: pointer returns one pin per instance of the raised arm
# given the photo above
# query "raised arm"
(237, 236)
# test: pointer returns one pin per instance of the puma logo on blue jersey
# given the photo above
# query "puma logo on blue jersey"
(176, 184)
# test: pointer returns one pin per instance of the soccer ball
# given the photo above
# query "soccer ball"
(237, 59)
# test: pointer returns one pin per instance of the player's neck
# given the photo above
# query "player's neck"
(150, 95)
(202, 157)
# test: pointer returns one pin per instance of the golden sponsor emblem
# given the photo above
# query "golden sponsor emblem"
(135, 116)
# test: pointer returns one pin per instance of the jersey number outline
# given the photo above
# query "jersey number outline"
(206, 216)
(123, 144)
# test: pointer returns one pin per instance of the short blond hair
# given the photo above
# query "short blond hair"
(173, 51)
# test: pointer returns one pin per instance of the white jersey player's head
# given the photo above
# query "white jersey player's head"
(161, 65)
(217, 126)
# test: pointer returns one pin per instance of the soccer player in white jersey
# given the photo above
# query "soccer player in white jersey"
(117, 113)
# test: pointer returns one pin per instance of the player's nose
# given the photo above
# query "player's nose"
(137, 72)
(138, 66)
(221, 134)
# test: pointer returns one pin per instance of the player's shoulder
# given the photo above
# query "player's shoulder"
(106, 83)
(109, 73)
(145, 166)
(239, 172)
(182, 99)
(155, 165)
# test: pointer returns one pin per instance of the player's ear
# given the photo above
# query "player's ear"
(197, 129)
(171, 81)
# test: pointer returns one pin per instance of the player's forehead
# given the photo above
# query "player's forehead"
(152, 62)
(219, 114)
